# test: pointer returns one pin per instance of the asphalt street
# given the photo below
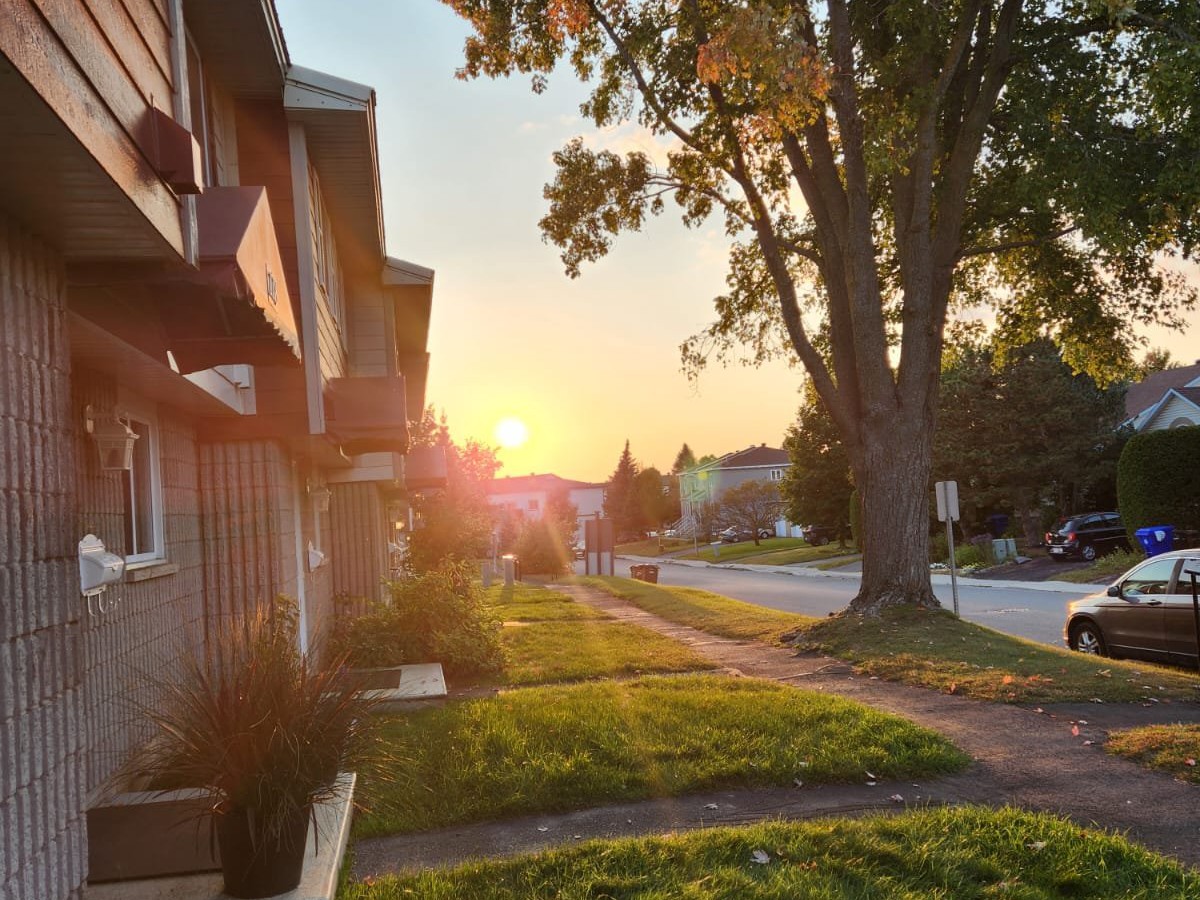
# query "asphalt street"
(1033, 610)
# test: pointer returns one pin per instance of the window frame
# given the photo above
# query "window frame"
(145, 415)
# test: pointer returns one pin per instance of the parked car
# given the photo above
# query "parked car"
(1087, 536)
(1146, 614)
(818, 535)
(579, 551)
(733, 534)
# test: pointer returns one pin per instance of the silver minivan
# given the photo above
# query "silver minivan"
(1146, 614)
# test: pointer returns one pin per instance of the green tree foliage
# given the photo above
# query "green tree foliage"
(877, 165)
(1158, 481)
(752, 506)
(654, 498)
(454, 522)
(684, 459)
(542, 549)
(817, 485)
(1021, 432)
(622, 501)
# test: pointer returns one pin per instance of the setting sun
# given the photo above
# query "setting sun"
(511, 432)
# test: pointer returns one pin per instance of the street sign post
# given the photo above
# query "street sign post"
(946, 493)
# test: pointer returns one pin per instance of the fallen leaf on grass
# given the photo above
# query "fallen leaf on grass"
(1075, 731)
(1036, 845)
(711, 806)
(897, 798)
(760, 857)
(543, 828)
(1189, 762)
(1007, 679)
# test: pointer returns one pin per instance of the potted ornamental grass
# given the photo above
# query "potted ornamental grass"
(264, 730)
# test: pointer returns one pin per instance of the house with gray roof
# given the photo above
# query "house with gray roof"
(1166, 399)
(704, 484)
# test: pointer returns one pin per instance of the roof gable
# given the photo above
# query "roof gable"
(1144, 394)
(1175, 404)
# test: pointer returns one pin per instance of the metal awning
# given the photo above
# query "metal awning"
(236, 308)
(367, 415)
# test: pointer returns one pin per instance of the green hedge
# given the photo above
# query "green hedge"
(1158, 480)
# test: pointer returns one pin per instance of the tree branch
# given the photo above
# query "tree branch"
(1017, 245)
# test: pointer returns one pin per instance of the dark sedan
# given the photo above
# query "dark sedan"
(1147, 614)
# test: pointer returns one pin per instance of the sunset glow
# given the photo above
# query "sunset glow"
(511, 432)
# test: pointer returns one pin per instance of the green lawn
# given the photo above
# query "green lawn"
(744, 550)
(548, 637)
(1104, 569)
(569, 747)
(652, 546)
(706, 611)
(936, 650)
(959, 853)
(792, 555)
(1168, 748)
(932, 649)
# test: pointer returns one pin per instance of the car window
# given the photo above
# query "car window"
(1149, 578)
(1184, 584)
(1112, 521)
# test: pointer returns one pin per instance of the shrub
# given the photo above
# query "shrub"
(542, 550)
(968, 555)
(1158, 480)
(438, 616)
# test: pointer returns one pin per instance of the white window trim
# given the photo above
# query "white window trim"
(143, 411)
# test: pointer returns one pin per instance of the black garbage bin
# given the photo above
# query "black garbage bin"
(648, 573)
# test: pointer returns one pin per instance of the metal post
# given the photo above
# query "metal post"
(1196, 615)
(953, 562)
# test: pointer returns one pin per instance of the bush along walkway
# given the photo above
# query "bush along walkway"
(1047, 758)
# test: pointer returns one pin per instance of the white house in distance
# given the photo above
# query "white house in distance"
(526, 496)
(1166, 399)
(706, 483)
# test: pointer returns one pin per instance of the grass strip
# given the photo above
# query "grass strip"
(704, 610)
(964, 853)
(1168, 748)
(1104, 569)
(547, 652)
(531, 603)
(744, 550)
(934, 649)
(569, 747)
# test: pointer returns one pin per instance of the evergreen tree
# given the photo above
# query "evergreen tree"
(621, 500)
(684, 459)
(816, 487)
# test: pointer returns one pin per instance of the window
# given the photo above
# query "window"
(1150, 578)
(777, 474)
(143, 495)
(1183, 581)
(201, 111)
(533, 505)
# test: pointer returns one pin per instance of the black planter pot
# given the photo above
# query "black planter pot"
(259, 865)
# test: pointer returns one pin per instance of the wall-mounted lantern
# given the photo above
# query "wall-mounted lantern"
(320, 495)
(114, 440)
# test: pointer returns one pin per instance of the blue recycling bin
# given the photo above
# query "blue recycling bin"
(1156, 539)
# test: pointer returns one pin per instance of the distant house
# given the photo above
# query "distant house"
(704, 484)
(526, 496)
(1166, 399)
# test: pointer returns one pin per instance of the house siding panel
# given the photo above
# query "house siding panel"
(248, 525)
(42, 838)
(1170, 412)
(359, 540)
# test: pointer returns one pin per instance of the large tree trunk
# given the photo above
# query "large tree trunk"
(893, 482)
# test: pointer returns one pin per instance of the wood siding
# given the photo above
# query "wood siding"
(330, 293)
(359, 545)
(371, 351)
(100, 66)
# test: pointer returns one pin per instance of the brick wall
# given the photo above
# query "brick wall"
(130, 644)
(42, 835)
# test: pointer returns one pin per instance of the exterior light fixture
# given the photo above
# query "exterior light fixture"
(320, 495)
(114, 440)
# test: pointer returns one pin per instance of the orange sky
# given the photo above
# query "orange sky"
(585, 364)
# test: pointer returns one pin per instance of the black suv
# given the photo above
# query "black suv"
(1087, 536)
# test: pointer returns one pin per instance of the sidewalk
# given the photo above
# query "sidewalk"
(1023, 757)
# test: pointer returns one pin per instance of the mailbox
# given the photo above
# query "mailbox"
(97, 567)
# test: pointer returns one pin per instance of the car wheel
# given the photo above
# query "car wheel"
(1088, 552)
(1086, 638)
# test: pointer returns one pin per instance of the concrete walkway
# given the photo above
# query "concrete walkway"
(1022, 757)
